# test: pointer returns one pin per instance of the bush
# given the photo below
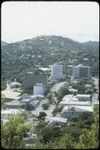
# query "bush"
(57, 110)
(42, 115)
(45, 106)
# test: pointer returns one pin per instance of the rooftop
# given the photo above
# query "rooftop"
(80, 103)
(57, 119)
(45, 69)
(11, 111)
(72, 90)
(15, 83)
(78, 109)
(37, 96)
(26, 100)
(83, 95)
(10, 94)
(73, 100)
(14, 102)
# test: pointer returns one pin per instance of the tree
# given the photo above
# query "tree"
(89, 139)
(42, 115)
(3, 100)
(13, 132)
(50, 133)
(45, 106)
(57, 110)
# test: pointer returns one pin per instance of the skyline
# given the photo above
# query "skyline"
(26, 20)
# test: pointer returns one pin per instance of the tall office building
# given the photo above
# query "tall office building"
(32, 79)
(57, 72)
(81, 72)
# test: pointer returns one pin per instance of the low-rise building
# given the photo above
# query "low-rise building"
(13, 104)
(9, 94)
(75, 103)
(5, 113)
(73, 111)
(58, 120)
(88, 86)
(15, 84)
(84, 97)
(73, 100)
(29, 103)
(71, 90)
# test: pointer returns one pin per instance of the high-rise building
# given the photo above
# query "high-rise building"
(81, 72)
(32, 79)
(57, 72)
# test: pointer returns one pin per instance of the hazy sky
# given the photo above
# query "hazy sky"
(25, 20)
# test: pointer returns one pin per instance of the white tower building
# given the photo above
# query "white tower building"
(38, 89)
(57, 72)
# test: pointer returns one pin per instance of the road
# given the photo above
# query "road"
(40, 108)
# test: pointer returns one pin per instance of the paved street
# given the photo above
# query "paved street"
(39, 109)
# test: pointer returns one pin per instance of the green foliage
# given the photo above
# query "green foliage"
(13, 132)
(3, 100)
(20, 57)
(57, 110)
(49, 133)
(89, 139)
(42, 115)
(45, 106)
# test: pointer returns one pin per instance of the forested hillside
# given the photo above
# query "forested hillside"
(19, 57)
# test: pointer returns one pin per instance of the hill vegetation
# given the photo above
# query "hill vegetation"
(20, 57)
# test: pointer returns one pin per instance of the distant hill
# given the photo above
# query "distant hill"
(19, 57)
(3, 43)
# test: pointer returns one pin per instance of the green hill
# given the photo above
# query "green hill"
(19, 57)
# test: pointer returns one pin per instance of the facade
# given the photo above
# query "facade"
(81, 72)
(32, 79)
(57, 72)
(73, 111)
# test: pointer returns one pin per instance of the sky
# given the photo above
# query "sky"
(25, 20)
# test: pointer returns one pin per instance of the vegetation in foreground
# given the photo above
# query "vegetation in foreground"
(80, 133)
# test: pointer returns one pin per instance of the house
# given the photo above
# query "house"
(73, 100)
(9, 94)
(84, 97)
(5, 113)
(29, 103)
(73, 111)
(13, 104)
(57, 120)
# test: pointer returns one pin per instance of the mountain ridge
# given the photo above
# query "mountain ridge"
(37, 37)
